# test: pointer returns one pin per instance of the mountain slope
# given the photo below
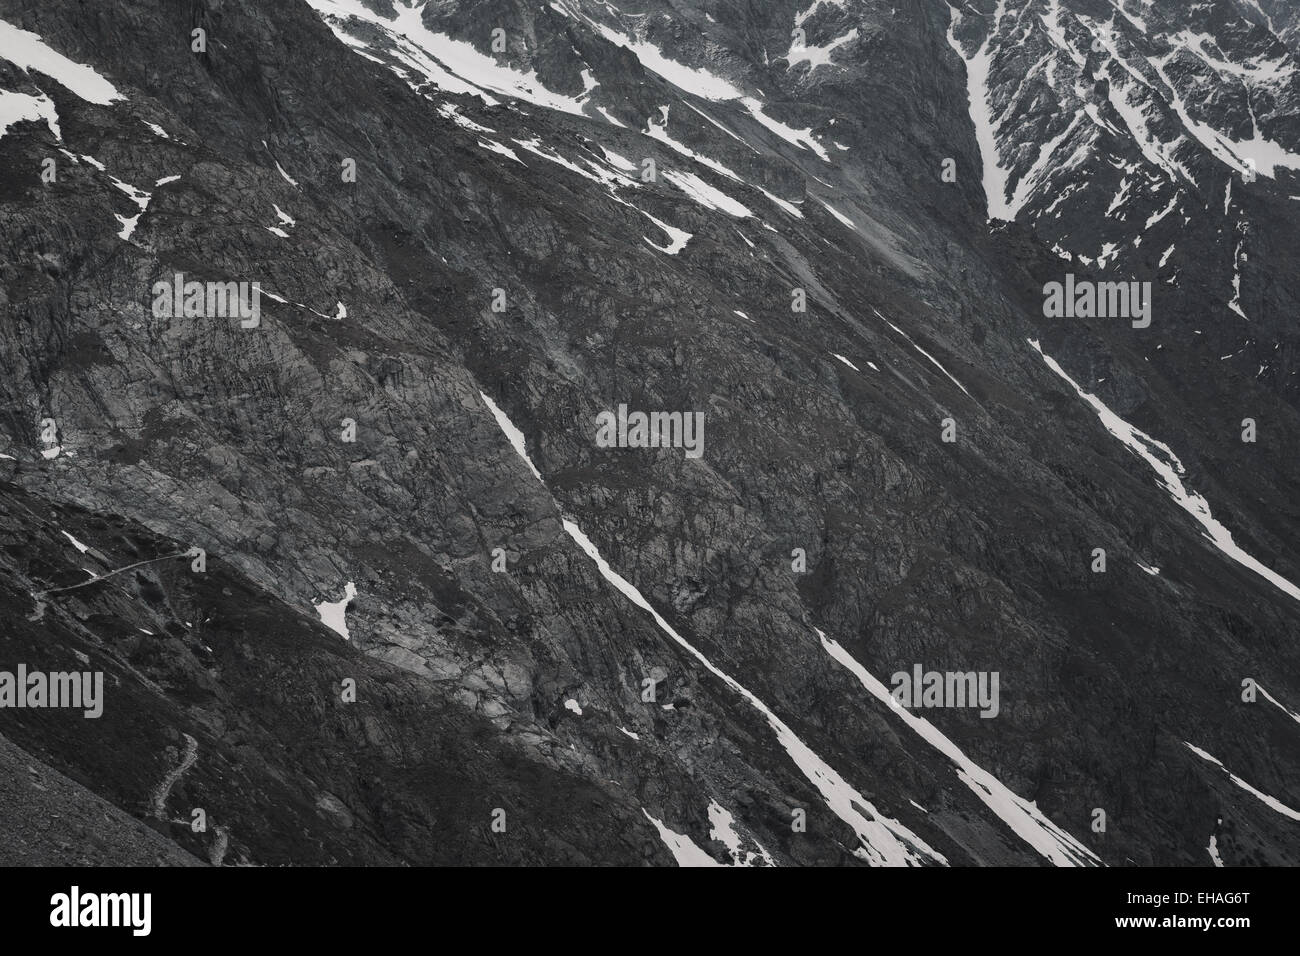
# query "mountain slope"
(784, 168)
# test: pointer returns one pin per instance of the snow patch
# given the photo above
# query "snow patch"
(333, 614)
(932, 359)
(723, 829)
(677, 237)
(978, 66)
(816, 56)
(846, 361)
(453, 65)
(1269, 697)
(76, 544)
(506, 151)
(707, 196)
(1156, 217)
(19, 107)
(682, 847)
(452, 112)
(798, 137)
(1271, 802)
(28, 51)
(513, 435)
(837, 214)
(1238, 257)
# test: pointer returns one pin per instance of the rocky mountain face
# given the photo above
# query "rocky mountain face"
(1282, 19)
(363, 575)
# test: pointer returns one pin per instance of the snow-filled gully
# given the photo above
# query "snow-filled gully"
(1169, 469)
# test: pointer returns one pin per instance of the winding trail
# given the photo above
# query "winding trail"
(159, 797)
(102, 577)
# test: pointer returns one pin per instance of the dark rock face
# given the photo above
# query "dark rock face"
(674, 208)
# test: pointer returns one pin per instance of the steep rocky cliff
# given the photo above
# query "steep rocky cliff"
(434, 621)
